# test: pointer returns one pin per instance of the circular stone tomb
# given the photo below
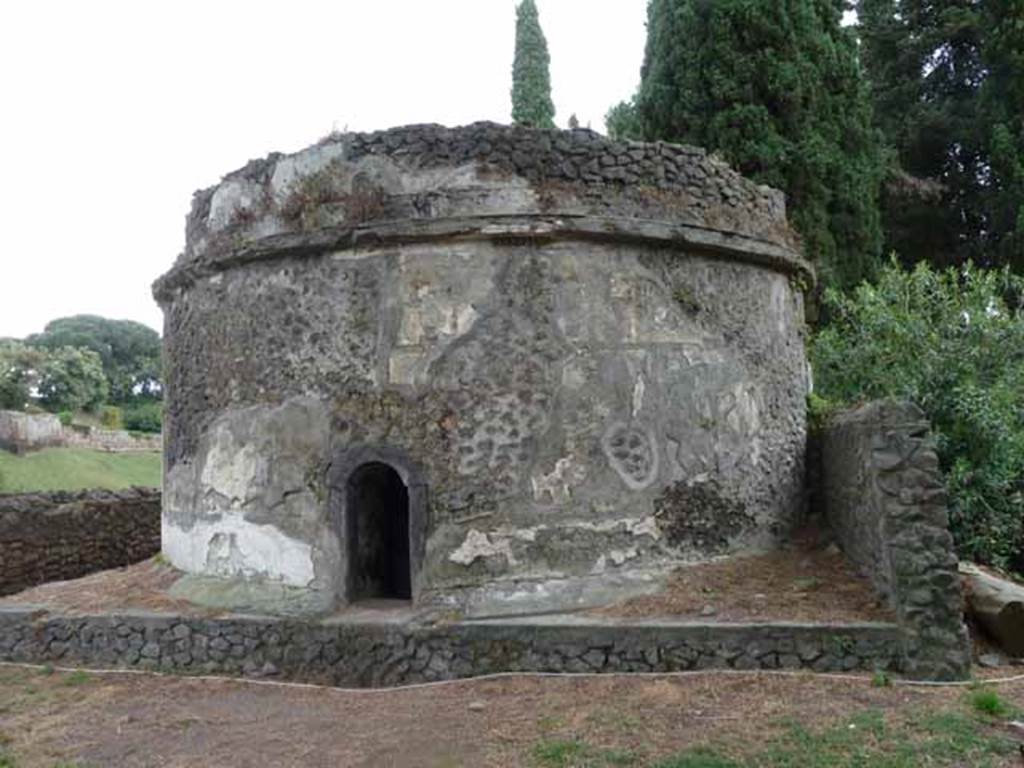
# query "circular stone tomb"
(495, 368)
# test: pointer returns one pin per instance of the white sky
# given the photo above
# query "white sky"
(115, 112)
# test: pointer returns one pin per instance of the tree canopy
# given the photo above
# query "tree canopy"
(951, 341)
(72, 379)
(531, 81)
(60, 379)
(129, 351)
(947, 81)
(19, 367)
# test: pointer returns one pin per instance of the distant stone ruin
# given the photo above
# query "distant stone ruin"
(493, 367)
(25, 432)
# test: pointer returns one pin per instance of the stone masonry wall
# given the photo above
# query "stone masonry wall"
(393, 654)
(110, 440)
(569, 172)
(29, 431)
(883, 495)
(66, 534)
(20, 432)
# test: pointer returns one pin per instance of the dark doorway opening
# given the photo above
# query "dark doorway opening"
(378, 533)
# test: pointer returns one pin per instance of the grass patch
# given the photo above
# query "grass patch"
(578, 754)
(988, 702)
(946, 738)
(700, 757)
(881, 679)
(78, 677)
(56, 469)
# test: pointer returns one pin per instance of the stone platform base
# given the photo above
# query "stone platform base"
(384, 648)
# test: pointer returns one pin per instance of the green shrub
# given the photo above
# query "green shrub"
(988, 702)
(66, 417)
(111, 418)
(143, 417)
(952, 342)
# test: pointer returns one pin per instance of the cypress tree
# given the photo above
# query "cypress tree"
(531, 82)
(775, 87)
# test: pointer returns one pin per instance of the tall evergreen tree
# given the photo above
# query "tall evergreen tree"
(775, 87)
(531, 81)
(946, 81)
(1002, 107)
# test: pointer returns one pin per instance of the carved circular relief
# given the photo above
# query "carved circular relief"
(632, 453)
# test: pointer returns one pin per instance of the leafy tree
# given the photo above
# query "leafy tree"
(775, 87)
(531, 82)
(19, 373)
(129, 351)
(952, 341)
(143, 416)
(623, 122)
(71, 379)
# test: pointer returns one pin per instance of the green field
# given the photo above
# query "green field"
(70, 468)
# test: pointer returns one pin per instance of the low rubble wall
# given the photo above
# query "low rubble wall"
(381, 654)
(57, 535)
(883, 495)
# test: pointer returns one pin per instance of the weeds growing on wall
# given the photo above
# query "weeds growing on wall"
(953, 342)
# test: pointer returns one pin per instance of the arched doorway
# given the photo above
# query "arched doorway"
(378, 533)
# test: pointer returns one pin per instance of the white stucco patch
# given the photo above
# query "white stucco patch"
(573, 376)
(230, 198)
(233, 546)
(638, 395)
(463, 319)
(524, 534)
(645, 526)
(231, 470)
(405, 364)
(556, 485)
(619, 556)
(479, 544)
(438, 295)
(290, 170)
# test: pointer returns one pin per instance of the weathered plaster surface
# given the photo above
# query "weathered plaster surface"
(247, 504)
(234, 547)
(565, 369)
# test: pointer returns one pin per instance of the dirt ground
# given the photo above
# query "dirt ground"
(140, 586)
(808, 581)
(805, 582)
(134, 720)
